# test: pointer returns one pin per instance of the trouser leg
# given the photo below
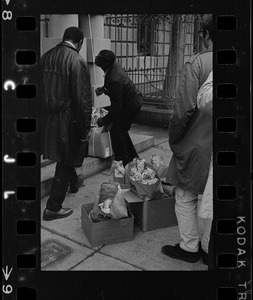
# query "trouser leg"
(186, 212)
(72, 175)
(211, 259)
(130, 148)
(206, 234)
(59, 188)
(121, 142)
(118, 144)
(123, 147)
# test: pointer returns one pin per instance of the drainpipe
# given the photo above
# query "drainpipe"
(93, 29)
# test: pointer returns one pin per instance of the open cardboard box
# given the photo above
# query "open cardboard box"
(151, 214)
(106, 232)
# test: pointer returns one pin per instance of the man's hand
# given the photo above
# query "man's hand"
(99, 91)
(86, 138)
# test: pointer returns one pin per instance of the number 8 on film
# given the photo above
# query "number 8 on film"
(7, 15)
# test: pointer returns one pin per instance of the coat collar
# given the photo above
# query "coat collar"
(108, 71)
(68, 44)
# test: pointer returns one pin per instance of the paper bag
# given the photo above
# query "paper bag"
(100, 144)
(110, 204)
(146, 189)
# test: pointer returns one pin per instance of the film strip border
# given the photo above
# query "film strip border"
(21, 161)
(231, 164)
(20, 151)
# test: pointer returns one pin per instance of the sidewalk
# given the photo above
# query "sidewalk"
(65, 246)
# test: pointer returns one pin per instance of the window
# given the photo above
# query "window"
(145, 37)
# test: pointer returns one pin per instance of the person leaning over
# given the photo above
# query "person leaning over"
(126, 103)
(66, 107)
(190, 139)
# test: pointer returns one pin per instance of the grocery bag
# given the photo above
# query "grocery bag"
(110, 204)
(100, 144)
(158, 164)
(117, 171)
(96, 114)
(144, 180)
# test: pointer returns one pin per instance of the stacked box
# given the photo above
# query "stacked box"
(151, 214)
(106, 232)
(119, 179)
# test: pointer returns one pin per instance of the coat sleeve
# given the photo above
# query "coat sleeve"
(115, 92)
(205, 96)
(186, 101)
(81, 95)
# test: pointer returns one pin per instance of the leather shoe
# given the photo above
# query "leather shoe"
(49, 215)
(178, 253)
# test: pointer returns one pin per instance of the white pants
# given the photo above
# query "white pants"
(206, 234)
(186, 212)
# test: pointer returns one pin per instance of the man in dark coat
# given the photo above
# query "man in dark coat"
(66, 106)
(190, 139)
(126, 103)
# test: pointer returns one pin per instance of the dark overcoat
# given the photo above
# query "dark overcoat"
(125, 99)
(190, 130)
(66, 104)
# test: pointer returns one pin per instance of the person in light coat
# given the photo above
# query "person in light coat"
(190, 139)
(205, 208)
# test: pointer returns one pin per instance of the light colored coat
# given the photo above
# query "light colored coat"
(190, 129)
(205, 104)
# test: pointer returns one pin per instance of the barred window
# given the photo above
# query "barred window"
(145, 38)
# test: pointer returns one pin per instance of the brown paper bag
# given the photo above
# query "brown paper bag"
(144, 191)
(100, 144)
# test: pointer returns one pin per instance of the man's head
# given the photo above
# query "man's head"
(74, 35)
(105, 59)
(207, 30)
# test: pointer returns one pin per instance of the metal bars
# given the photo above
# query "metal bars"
(142, 45)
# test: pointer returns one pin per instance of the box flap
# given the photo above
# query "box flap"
(131, 197)
(123, 191)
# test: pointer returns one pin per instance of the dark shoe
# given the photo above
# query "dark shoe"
(178, 253)
(49, 215)
(203, 255)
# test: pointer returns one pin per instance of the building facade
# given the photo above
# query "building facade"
(147, 46)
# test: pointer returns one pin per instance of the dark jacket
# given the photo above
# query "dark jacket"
(66, 103)
(124, 96)
(190, 130)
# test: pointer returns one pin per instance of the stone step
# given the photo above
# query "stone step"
(91, 165)
(153, 116)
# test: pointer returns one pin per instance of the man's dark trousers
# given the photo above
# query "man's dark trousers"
(64, 175)
(121, 142)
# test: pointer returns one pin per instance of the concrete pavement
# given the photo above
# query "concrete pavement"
(65, 246)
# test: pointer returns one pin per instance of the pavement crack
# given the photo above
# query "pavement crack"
(125, 262)
(80, 262)
(66, 237)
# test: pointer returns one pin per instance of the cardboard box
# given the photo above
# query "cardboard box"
(151, 214)
(118, 179)
(125, 186)
(106, 232)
